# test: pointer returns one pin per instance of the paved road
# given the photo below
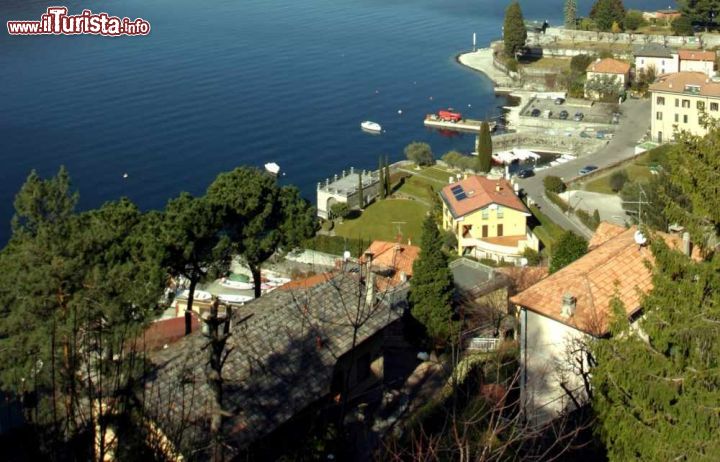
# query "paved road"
(634, 123)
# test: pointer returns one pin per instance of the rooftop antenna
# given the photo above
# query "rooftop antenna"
(642, 199)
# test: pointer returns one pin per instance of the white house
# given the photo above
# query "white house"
(660, 58)
(619, 71)
(559, 313)
(697, 61)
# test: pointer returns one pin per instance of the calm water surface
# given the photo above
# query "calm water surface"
(222, 83)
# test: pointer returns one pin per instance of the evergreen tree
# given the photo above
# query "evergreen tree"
(569, 248)
(514, 32)
(484, 149)
(386, 177)
(656, 394)
(700, 11)
(431, 287)
(694, 164)
(607, 12)
(381, 175)
(570, 14)
(361, 195)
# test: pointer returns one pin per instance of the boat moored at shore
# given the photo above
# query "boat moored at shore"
(371, 126)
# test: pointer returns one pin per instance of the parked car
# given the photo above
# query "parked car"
(564, 115)
(535, 113)
(559, 101)
(587, 169)
(579, 116)
(525, 173)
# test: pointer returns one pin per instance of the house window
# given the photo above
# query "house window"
(466, 230)
(701, 105)
(658, 116)
(677, 117)
(659, 138)
(500, 212)
(677, 102)
(686, 103)
(485, 214)
(685, 119)
(660, 101)
(642, 61)
(713, 106)
(499, 230)
(485, 231)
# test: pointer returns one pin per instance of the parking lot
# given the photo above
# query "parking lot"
(598, 113)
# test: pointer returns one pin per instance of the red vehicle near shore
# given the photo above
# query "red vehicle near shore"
(449, 115)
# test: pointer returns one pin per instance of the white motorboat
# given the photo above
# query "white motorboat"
(273, 168)
(237, 285)
(371, 126)
(199, 295)
(232, 298)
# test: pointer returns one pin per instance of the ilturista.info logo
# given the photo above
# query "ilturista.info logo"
(57, 22)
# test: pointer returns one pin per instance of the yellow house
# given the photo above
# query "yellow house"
(488, 218)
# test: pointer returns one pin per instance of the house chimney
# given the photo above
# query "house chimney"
(403, 276)
(451, 180)
(686, 247)
(370, 289)
(497, 187)
(569, 303)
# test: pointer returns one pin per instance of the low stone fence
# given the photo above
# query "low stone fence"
(557, 34)
(543, 143)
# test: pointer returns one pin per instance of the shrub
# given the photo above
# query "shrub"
(634, 20)
(340, 209)
(532, 256)
(557, 200)
(596, 217)
(511, 65)
(618, 180)
(580, 63)
(450, 240)
(420, 153)
(452, 158)
(569, 248)
(554, 184)
(587, 219)
(682, 26)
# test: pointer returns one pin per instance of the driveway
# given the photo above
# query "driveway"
(609, 206)
(634, 123)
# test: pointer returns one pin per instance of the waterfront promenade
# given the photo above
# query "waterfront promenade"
(482, 61)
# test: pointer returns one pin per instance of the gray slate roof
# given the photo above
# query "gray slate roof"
(654, 50)
(275, 368)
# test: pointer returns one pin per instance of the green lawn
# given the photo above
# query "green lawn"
(637, 169)
(376, 222)
(546, 63)
(437, 173)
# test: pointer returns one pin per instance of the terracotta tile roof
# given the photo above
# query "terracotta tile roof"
(480, 192)
(617, 266)
(307, 282)
(604, 232)
(166, 331)
(677, 83)
(609, 66)
(696, 55)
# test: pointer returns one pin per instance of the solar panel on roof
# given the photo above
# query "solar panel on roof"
(456, 189)
(460, 196)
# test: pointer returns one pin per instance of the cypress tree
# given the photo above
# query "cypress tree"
(431, 287)
(484, 149)
(387, 177)
(381, 182)
(570, 14)
(514, 33)
(361, 198)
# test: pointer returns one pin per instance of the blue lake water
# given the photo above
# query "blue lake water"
(222, 83)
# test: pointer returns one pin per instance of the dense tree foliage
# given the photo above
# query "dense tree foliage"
(554, 184)
(605, 87)
(682, 26)
(568, 248)
(431, 287)
(607, 12)
(570, 14)
(420, 153)
(634, 20)
(260, 217)
(656, 394)
(514, 32)
(700, 11)
(484, 149)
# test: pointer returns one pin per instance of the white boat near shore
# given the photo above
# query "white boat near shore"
(273, 168)
(371, 126)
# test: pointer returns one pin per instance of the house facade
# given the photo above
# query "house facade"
(654, 56)
(680, 101)
(698, 61)
(562, 312)
(488, 219)
(345, 188)
(608, 68)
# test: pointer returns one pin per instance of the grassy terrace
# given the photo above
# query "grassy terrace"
(547, 231)
(637, 169)
(545, 63)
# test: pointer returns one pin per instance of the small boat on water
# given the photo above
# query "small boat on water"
(273, 168)
(371, 126)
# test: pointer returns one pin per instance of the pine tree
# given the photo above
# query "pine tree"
(607, 12)
(570, 14)
(484, 149)
(514, 32)
(656, 394)
(361, 195)
(431, 287)
(381, 181)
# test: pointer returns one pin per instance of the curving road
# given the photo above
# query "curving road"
(634, 123)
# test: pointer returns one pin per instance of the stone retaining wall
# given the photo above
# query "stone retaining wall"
(556, 34)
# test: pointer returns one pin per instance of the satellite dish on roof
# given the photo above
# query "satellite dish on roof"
(346, 255)
(640, 238)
